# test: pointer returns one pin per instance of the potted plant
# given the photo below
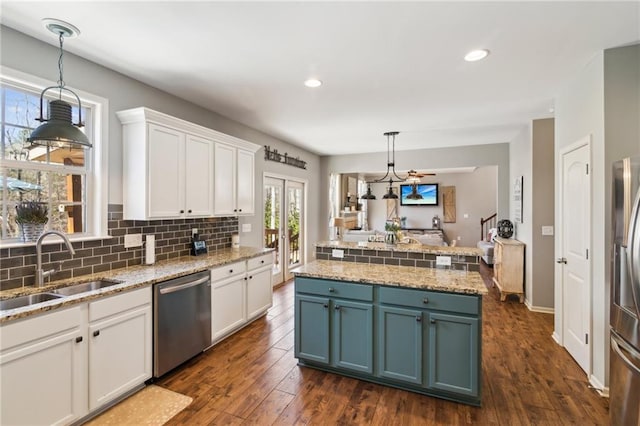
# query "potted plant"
(31, 217)
(392, 228)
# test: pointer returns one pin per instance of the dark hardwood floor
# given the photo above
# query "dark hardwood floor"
(252, 378)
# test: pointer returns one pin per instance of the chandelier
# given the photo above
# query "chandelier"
(58, 130)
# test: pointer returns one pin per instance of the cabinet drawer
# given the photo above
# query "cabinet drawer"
(430, 300)
(120, 303)
(334, 289)
(259, 261)
(227, 271)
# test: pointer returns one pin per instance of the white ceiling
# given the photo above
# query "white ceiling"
(385, 65)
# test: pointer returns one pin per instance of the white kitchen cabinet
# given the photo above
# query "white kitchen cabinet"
(43, 369)
(170, 169)
(240, 293)
(120, 345)
(234, 177)
(57, 367)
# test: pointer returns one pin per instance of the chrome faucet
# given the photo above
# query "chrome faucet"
(40, 274)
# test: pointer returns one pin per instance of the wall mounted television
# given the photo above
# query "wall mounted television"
(429, 192)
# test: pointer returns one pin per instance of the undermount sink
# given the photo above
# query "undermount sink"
(84, 287)
(31, 299)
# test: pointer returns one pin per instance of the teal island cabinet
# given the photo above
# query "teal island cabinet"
(417, 329)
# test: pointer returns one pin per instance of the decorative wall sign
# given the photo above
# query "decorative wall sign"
(274, 155)
(517, 198)
(449, 204)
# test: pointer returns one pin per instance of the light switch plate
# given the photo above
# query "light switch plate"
(132, 240)
(337, 253)
(547, 230)
(246, 227)
(443, 260)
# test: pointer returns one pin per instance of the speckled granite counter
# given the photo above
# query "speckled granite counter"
(131, 277)
(446, 280)
(405, 248)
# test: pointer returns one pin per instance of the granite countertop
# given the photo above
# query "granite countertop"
(132, 277)
(416, 248)
(446, 280)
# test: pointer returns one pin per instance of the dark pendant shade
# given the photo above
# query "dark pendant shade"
(414, 193)
(369, 195)
(390, 195)
(58, 131)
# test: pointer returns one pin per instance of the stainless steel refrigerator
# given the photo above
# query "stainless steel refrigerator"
(624, 377)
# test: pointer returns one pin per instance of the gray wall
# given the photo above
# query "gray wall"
(467, 156)
(32, 56)
(542, 206)
(476, 196)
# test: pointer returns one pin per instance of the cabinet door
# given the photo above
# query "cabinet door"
(259, 292)
(227, 306)
(198, 177)
(312, 328)
(400, 344)
(43, 377)
(165, 151)
(497, 262)
(245, 182)
(224, 186)
(352, 337)
(119, 355)
(454, 363)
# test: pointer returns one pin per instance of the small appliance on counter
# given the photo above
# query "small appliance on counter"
(198, 246)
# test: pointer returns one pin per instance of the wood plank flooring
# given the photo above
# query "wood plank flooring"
(252, 378)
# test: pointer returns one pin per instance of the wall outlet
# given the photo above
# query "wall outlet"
(337, 253)
(443, 260)
(194, 231)
(133, 240)
(547, 230)
(246, 227)
(466, 215)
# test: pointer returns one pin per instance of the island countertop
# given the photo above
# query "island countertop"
(410, 248)
(445, 280)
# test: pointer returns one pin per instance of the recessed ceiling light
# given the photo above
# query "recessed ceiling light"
(476, 55)
(312, 82)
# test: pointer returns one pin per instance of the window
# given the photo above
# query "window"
(66, 180)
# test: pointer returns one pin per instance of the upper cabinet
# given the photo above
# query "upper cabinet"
(176, 169)
(234, 191)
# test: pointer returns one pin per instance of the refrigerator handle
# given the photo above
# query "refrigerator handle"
(618, 348)
(633, 251)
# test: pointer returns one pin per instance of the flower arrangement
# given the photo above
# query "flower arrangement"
(32, 212)
(391, 226)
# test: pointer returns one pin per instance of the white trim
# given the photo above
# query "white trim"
(136, 115)
(540, 309)
(98, 179)
(602, 390)
(556, 338)
(585, 141)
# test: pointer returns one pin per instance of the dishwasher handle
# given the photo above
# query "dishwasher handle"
(173, 289)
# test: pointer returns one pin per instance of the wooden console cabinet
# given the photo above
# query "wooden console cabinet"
(508, 267)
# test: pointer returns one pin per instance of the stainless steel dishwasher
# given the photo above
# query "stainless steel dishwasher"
(182, 320)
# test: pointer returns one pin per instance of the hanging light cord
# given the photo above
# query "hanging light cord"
(391, 160)
(60, 64)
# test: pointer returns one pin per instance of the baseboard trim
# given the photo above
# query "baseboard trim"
(556, 338)
(540, 309)
(602, 390)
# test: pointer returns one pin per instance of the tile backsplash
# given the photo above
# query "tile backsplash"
(173, 237)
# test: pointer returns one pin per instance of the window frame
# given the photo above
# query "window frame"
(97, 176)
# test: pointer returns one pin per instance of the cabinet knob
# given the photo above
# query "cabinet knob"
(245, 278)
(332, 290)
(181, 211)
(189, 211)
(425, 300)
(326, 305)
(231, 271)
(432, 321)
(337, 307)
(262, 261)
(96, 333)
(78, 339)
(250, 277)
(235, 210)
(239, 210)
(419, 318)
(561, 260)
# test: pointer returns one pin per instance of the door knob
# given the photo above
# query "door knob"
(561, 260)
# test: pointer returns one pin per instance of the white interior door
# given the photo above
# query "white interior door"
(284, 224)
(576, 240)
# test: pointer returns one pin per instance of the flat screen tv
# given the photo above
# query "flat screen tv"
(428, 191)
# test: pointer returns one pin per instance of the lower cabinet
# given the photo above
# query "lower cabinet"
(69, 366)
(424, 341)
(240, 293)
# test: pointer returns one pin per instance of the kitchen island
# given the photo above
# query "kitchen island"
(413, 328)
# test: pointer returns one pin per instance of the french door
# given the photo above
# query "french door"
(284, 224)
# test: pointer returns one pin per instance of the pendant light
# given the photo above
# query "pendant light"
(414, 179)
(391, 166)
(58, 130)
(369, 195)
